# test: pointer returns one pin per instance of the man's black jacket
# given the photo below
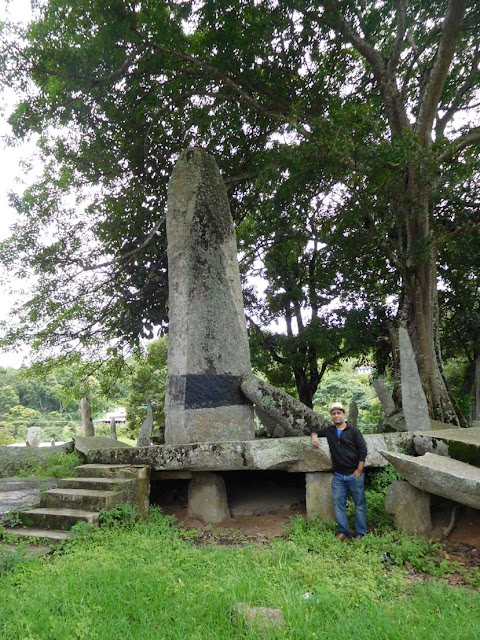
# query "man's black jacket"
(346, 451)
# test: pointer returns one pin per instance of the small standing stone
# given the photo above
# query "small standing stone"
(113, 428)
(410, 508)
(207, 498)
(33, 437)
(414, 402)
(145, 434)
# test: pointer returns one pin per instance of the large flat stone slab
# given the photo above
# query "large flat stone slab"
(439, 475)
(281, 454)
(461, 444)
(83, 444)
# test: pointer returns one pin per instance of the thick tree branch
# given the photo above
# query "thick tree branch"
(443, 59)
(395, 109)
(226, 80)
(266, 341)
(399, 38)
(457, 146)
(469, 83)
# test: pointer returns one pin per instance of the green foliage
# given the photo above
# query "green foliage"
(55, 465)
(349, 195)
(190, 592)
(11, 559)
(148, 382)
(122, 516)
(346, 385)
(12, 519)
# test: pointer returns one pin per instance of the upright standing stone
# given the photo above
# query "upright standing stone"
(384, 396)
(414, 402)
(33, 437)
(208, 346)
(144, 438)
(113, 428)
(88, 430)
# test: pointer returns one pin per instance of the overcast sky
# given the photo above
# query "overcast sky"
(11, 176)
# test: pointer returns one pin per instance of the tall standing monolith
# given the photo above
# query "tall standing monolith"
(414, 402)
(208, 345)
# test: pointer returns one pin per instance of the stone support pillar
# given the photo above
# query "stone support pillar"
(207, 498)
(319, 498)
(410, 508)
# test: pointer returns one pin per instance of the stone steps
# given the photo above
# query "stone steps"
(80, 499)
(101, 470)
(88, 499)
(57, 517)
(53, 535)
(100, 484)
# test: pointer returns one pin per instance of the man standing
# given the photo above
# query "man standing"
(348, 450)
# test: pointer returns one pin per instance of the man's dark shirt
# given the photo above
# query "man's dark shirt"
(346, 451)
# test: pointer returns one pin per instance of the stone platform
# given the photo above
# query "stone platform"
(275, 454)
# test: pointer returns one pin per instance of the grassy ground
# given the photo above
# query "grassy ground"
(149, 581)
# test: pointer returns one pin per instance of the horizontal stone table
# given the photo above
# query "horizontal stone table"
(274, 454)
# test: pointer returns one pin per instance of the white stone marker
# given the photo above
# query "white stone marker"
(208, 345)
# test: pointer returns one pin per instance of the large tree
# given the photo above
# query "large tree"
(356, 102)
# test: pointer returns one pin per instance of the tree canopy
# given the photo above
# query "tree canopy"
(346, 135)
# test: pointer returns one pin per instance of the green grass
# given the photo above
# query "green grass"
(146, 581)
(55, 465)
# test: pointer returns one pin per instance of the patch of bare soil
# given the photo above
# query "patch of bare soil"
(237, 531)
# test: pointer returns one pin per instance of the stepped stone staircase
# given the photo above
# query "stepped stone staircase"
(79, 499)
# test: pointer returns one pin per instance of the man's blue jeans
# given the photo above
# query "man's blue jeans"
(341, 487)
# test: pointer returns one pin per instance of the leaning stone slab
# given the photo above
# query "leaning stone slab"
(461, 444)
(84, 444)
(144, 438)
(207, 498)
(260, 618)
(441, 476)
(208, 348)
(280, 454)
(410, 508)
(290, 417)
(384, 395)
(414, 402)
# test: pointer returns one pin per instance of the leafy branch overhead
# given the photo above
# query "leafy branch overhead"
(346, 133)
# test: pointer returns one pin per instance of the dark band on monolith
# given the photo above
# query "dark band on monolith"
(208, 346)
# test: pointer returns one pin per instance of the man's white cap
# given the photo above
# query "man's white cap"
(337, 405)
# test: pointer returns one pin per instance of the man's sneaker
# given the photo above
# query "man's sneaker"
(358, 536)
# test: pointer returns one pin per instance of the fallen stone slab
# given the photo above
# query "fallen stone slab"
(282, 414)
(439, 475)
(461, 444)
(279, 454)
(259, 617)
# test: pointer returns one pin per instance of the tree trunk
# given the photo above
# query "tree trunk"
(88, 430)
(421, 289)
(476, 392)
